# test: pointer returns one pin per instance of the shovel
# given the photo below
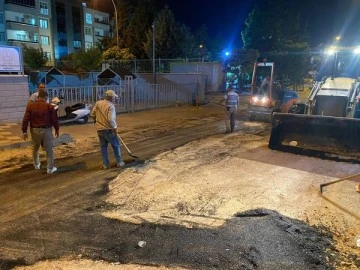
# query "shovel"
(127, 149)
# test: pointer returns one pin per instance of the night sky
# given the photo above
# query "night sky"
(326, 19)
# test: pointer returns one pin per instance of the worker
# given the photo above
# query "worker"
(104, 115)
(231, 104)
(33, 97)
(42, 117)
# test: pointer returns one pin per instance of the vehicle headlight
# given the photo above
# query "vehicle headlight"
(264, 99)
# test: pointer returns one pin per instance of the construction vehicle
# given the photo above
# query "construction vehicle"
(267, 95)
(329, 120)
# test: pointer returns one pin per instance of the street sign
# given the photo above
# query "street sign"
(10, 59)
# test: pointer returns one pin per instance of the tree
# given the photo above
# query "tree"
(34, 58)
(187, 43)
(124, 8)
(116, 53)
(281, 39)
(292, 62)
(105, 43)
(240, 65)
(140, 22)
(167, 36)
(82, 61)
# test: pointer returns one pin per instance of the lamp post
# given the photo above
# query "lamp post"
(116, 23)
(153, 51)
(202, 52)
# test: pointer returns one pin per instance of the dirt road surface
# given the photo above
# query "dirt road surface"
(198, 198)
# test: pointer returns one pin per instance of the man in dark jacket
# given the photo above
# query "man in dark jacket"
(42, 117)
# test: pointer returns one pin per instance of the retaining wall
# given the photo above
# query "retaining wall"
(14, 94)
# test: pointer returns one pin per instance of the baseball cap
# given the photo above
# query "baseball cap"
(111, 93)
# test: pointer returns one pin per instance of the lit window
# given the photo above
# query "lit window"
(88, 18)
(45, 40)
(43, 23)
(77, 44)
(35, 38)
(21, 37)
(44, 8)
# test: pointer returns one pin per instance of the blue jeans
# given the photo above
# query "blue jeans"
(105, 137)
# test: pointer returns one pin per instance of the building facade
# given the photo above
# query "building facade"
(60, 27)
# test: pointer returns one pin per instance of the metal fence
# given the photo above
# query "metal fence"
(131, 97)
(136, 65)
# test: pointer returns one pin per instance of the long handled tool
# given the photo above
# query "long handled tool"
(127, 149)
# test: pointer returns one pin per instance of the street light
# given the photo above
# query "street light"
(202, 52)
(116, 22)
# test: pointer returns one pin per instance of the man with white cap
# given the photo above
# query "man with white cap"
(104, 115)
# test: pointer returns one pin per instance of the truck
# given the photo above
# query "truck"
(328, 122)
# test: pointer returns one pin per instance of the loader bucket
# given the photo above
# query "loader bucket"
(336, 135)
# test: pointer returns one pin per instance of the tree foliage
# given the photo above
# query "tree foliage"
(87, 60)
(115, 53)
(240, 65)
(34, 58)
(276, 29)
(167, 36)
(140, 22)
(105, 43)
(82, 61)
(124, 8)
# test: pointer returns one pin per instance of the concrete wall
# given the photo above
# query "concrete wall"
(214, 72)
(200, 80)
(14, 94)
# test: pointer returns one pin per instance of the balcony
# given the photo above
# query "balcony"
(25, 3)
(19, 43)
(102, 21)
(22, 22)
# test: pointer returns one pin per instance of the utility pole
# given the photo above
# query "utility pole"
(116, 24)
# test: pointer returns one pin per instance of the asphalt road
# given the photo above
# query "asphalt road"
(51, 216)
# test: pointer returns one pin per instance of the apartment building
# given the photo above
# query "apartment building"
(60, 27)
(96, 26)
